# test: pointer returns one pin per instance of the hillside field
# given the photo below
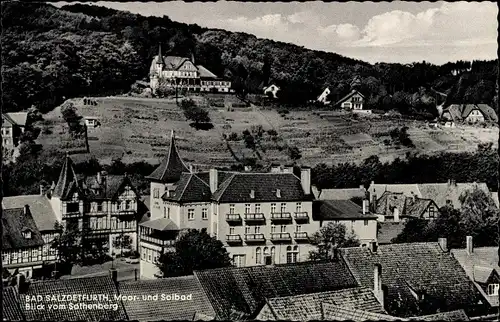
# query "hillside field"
(138, 129)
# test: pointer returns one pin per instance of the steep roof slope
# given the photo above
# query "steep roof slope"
(40, 209)
(68, 180)
(14, 223)
(171, 167)
(11, 311)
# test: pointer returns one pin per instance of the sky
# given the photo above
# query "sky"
(400, 32)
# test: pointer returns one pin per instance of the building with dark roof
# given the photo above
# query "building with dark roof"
(183, 73)
(13, 125)
(357, 219)
(396, 207)
(178, 298)
(470, 113)
(22, 242)
(481, 265)
(259, 217)
(419, 278)
(352, 101)
(241, 293)
(11, 309)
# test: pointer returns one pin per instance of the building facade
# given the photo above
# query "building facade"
(182, 73)
(352, 101)
(13, 125)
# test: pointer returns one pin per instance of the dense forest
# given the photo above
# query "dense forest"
(50, 54)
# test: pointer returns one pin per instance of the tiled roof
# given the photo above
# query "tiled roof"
(144, 310)
(68, 180)
(19, 118)
(172, 166)
(483, 257)
(460, 112)
(245, 289)
(85, 286)
(11, 310)
(335, 312)
(415, 207)
(14, 223)
(482, 274)
(340, 101)
(338, 209)
(437, 192)
(161, 224)
(205, 73)
(190, 188)
(108, 188)
(422, 267)
(457, 315)
(238, 187)
(40, 209)
(389, 230)
(408, 206)
(308, 307)
(342, 194)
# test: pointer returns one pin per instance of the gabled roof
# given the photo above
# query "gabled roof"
(238, 187)
(338, 209)
(205, 73)
(108, 188)
(14, 223)
(172, 166)
(245, 289)
(342, 194)
(348, 96)
(17, 118)
(460, 112)
(68, 180)
(307, 307)
(166, 310)
(161, 224)
(486, 257)
(482, 274)
(335, 312)
(423, 266)
(407, 206)
(11, 311)
(87, 286)
(40, 208)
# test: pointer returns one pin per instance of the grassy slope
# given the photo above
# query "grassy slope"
(139, 129)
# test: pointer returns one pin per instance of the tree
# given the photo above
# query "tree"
(195, 113)
(329, 238)
(66, 244)
(294, 153)
(194, 250)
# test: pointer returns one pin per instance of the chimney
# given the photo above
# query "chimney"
(335, 251)
(135, 274)
(469, 245)
(252, 194)
(99, 178)
(26, 210)
(305, 180)
(374, 203)
(361, 187)
(278, 193)
(365, 206)
(114, 275)
(443, 244)
(191, 168)
(248, 168)
(213, 180)
(396, 214)
(42, 190)
(377, 283)
(373, 247)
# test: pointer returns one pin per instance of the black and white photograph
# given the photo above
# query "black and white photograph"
(250, 161)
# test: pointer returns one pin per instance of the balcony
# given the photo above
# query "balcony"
(233, 218)
(254, 217)
(300, 236)
(157, 241)
(280, 237)
(233, 239)
(124, 212)
(72, 214)
(281, 216)
(301, 216)
(254, 238)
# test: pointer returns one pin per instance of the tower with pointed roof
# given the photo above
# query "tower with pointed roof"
(165, 176)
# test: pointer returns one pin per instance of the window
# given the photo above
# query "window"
(292, 254)
(432, 211)
(273, 228)
(247, 208)
(231, 208)
(99, 206)
(257, 229)
(190, 214)
(231, 230)
(298, 207)
(298, 228)
(7, 131)
(247, 230)
(72, 207)
(156, 193)
(257, 208)
(239, 260)
(273, 208)
(127, 204)
(27, 234)
(365, 222)
(119, 205)
(258, 256)
(283, 207)
(273, 251)
(204, 214)
(493, 289)
(283, 228)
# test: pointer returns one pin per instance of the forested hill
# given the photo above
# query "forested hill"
(50, 54)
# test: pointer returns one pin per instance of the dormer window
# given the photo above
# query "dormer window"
(278, 193)
(252, 194)
(75, 196)
(27, 234)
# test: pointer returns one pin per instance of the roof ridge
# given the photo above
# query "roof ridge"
(185, 187)
(227, 182)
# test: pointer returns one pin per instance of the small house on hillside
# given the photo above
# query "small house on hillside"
(271, 90)
(13, 124)
(352, 101)
(323, 98)
(469, 113)
(92, 121)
